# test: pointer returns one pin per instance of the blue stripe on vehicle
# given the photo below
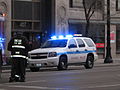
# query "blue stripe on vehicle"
(79, 52)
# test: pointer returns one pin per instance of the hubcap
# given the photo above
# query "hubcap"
(90, 63)
(63, 64)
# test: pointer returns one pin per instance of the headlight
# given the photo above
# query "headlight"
(52, 54)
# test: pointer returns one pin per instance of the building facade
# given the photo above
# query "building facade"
(5, 26)
(39, 19)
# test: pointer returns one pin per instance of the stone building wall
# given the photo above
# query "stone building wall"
(61, 17)
(63, 13)
(5, 6)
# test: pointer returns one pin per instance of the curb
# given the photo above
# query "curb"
(106, 65)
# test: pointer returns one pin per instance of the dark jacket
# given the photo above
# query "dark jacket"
(18, 46)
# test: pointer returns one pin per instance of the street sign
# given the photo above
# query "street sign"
(100, 45)
(112, 37)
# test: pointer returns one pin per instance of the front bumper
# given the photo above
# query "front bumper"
(95, 57)
(49, 62)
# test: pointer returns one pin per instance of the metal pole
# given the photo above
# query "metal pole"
(0, 62)
(108, 58)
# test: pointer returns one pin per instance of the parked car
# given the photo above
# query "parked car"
(62, 52)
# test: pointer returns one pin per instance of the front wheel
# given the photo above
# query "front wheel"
(89, 62)
(62, 63)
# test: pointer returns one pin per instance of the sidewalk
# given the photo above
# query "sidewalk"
(100, 63)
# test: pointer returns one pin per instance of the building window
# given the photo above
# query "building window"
(118, 38)
(117, 5)
(23, 11)
(94, 4)
(79, 4)
(99, 5)
(22, 25)
(36, 11)
(36, 26)
(26, 15)
(71, 3)
(76, 3)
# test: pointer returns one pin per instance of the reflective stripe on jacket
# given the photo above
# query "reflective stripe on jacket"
(18, 46)
(20, 56)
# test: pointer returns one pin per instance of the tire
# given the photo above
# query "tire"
(89, 62)
(62, 63)
(34, 69)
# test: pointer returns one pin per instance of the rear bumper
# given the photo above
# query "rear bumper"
(95, 57)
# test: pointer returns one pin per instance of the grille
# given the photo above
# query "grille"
(38, 55)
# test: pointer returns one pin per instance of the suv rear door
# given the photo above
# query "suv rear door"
(81, 51)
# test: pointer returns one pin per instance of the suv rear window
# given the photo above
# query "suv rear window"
(89, 42)
(80, 43)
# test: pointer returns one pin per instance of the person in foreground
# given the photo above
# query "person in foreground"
(19, 48)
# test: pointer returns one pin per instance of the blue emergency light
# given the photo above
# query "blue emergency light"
(38, 37)
(53, 37)
(69, 36)
(62, 37)
(2, 40)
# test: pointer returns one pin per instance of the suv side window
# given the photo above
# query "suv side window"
(72, 44)
(89, 42)
(80, 43)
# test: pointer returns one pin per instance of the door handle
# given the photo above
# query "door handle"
(85, 49)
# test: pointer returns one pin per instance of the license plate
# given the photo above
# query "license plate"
(38, 65)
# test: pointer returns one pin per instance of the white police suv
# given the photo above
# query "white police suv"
(63, 51)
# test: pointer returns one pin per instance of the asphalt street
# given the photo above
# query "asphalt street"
(75, 78)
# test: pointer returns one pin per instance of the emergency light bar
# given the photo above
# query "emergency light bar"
(77, 35)
(67, 36)
(61, 37)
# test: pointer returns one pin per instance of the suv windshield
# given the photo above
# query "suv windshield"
(55, 43)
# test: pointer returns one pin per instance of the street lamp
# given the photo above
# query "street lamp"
(108, 58)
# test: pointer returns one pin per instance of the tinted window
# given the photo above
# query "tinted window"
(80, 43)
(89, 42)
(22, 25)
(55, 43)
(36, 11)
(72, 43)
(23, 10)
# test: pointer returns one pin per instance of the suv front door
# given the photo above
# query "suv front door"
(72, 51)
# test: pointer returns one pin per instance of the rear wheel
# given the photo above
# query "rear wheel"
(62, 63)
(34, 69)
(89, 62)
